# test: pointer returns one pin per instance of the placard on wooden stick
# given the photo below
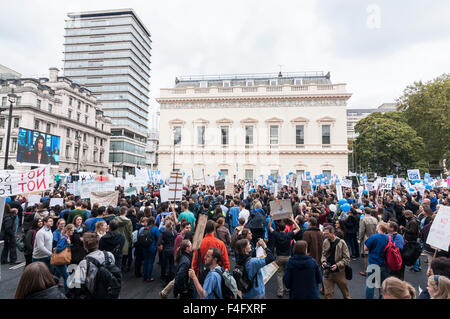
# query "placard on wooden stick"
(175, 186)
(199, 231)
(281, 209)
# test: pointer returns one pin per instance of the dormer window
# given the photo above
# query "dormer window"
(273, 82)
(226, 83)
(249, 83)
(203, 84)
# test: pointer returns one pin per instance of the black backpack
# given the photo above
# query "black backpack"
(108, 280)
(144, 239)
(202, 268)
(244, 283)
(411, 251)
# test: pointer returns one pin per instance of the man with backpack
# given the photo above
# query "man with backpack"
(113, 242)
(377, 269)
(212, 287)
(125, 226)
(96, 276)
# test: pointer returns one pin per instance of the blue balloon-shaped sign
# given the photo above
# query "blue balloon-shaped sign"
(290, 173)
(346, 208)
(342, 201)
(365, 192)
(361, 207)
(428, 187)
(8, 200)
(411, 189)
(220, 173)
(252, 191)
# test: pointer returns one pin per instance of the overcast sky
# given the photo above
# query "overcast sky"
(376, 47)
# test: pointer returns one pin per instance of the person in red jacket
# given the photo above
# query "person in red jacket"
(210, 241)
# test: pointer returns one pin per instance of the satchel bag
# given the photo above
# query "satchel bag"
(348, 272)
(62, 258)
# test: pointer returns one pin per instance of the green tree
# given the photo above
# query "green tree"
(396, 140)
(426, 108)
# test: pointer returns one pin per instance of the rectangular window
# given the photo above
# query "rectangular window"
(274, 134)
(76, 152)
(38, 104)
(68, 132)
(299, 134)
(95, 140)
(201, 135)
(50, 107)
(300, 173)
(47, 129)
(248, 174)
(16, 122)
(101, 142)
(224, 132)
(78, 117)
(87, 107)
(2, 122)
(325, 134)
(84, 137)
(95, 124)
(326, 172)
(19, 100)
(1, 143)
(36, 124)
(95, 156)
(85, 120)
(177, 135)
(67, 151)
(14, 145)
(101, 157)
(4, 100)
(273, 82)
(249, 134)
(70, 101)
(274, 174)
(69, 114)
(79, 105)
(224, 172)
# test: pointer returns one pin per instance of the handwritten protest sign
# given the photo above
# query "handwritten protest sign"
(176, 186)
(34, 200)
(71, 188)
(281, 209)
(268, 271)
(86, 177)
(14, 183)
(386, 183)
(199, 231)
(413, 174)
(230, 189)
(56, 201)
(306, 187)
(339, 193)
(346, 183)
(439, 235)
(105, 198)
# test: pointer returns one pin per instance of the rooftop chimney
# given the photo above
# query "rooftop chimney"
(54, 74)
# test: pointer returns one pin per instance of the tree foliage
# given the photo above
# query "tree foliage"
(426, 108)
(396, 140)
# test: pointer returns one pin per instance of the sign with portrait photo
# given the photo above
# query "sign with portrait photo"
(37, 148)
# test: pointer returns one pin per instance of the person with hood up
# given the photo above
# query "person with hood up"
(126, 229)
(257, 223)
(113, 241)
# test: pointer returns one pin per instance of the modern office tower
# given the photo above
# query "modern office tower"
(109, 53)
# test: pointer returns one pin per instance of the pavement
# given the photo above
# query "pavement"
(136, 288)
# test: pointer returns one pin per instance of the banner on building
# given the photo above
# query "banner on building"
(32, 181)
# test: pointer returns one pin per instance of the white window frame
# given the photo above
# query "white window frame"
(270, 134)
(273, 81)
(250, 83)
(201, 141)
(227, 136)
(226, 84)
(253, 133)
(322, 136)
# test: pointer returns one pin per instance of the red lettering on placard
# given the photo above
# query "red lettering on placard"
(21, 184)
(41, 172)
(34, 173)
(34, 186)
(39, 184)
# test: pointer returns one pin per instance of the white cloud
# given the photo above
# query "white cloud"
(212, 37)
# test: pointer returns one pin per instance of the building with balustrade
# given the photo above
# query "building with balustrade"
(63, 108)
(246, 125)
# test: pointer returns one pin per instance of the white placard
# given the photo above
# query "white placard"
(33, 200)
(164, 193)
(346, 183)
(32, 181)
(413, 174)
(86, 177)
(339, 193)
(56, 201)
(439, 235)
(268, 271)
(386, 183)
(71, 188)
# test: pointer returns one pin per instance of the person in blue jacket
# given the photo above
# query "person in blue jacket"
(149, 252)
(302, 274)
(253, 267)
(234, 216)
(63, 243)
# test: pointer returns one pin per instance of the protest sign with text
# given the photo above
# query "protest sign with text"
(14, 183)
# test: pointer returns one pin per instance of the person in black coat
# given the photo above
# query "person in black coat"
(351, 230)
(183, 286)
(8, 231)
(113, 242)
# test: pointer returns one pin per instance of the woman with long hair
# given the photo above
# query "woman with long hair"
(36, 282)
(78, 252)
(394, 288)
(183, 286)
(100, 228)
(29, 240)
(64, 243)
(439, 287)
(222, 232)
(253, 266)
(38, 154)
(167, 241)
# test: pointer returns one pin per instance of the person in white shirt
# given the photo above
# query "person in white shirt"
(43, 244)
(243, 212)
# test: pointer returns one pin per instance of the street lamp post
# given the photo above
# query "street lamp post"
(12, 99)
(78, 138)
(376, 146)
(173, 166)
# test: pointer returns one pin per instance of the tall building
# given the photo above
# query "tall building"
(109, 53)
(246, 125)
(60, 107)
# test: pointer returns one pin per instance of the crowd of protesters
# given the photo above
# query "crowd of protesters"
(312, 249)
